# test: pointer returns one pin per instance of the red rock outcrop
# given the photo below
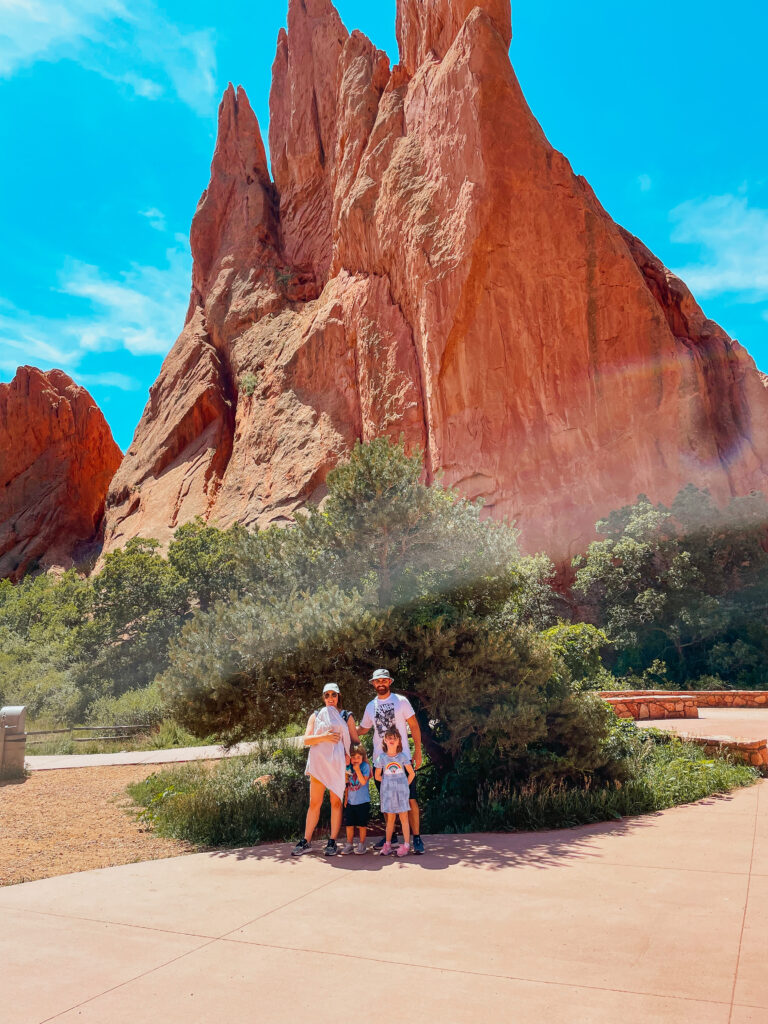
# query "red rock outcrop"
(57, 458)
(426, 262)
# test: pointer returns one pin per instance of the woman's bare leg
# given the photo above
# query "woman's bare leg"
(316, 793)
(335, 814)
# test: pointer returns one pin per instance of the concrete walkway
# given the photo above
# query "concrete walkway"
(737, 723)
(651, 919)
(51, 762)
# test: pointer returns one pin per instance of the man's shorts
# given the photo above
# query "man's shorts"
(411, 788)
(357, 815)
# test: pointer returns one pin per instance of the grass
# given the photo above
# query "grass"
(263, 797)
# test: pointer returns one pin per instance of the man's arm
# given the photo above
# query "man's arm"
(413, 725)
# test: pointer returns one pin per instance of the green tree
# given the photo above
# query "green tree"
(685, 585)
(397, 573)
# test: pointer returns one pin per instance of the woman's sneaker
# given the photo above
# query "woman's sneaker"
(347, 848)
(331, 849)
(361, 847)
(301, 847)
(403, 850)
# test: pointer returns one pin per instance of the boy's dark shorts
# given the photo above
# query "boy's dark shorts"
(411, 789)
(357, 815)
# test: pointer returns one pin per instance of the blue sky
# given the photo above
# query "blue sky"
(107, 127)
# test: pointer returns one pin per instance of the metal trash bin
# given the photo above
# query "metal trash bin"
(13, 739)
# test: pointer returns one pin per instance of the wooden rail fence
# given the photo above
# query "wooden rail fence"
(107, 732)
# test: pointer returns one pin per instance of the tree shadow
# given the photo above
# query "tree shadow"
(482, 850)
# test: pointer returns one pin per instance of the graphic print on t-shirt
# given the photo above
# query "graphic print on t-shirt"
(394, 768)
(385, 717)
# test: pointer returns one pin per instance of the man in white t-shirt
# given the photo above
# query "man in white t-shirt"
(386, 710)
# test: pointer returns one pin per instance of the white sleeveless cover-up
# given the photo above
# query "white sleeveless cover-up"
(328, 762)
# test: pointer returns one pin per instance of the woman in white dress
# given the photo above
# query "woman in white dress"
(327, 737)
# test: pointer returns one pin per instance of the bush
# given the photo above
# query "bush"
(238, 802)
(135, 707)
(232, 804)
(660, 771)
(248, 383)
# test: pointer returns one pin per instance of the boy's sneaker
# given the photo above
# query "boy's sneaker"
(347, 848)
(403, 850)
(301, 847)
(331, 849)
(418, 845)
(362, 847)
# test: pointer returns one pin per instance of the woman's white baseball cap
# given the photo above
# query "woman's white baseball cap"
(331, 686)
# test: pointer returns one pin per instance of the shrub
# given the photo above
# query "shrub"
(248, 383)
(239, 801)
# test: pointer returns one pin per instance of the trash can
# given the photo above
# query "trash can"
(13, 739)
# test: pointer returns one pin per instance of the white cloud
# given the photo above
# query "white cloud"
(733, 240)
(133, 45)
(109, 380)
(141, 311)
(644, 182)
(156, 218)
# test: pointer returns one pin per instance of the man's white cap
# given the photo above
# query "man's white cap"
(331, 686)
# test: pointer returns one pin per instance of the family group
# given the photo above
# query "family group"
(338, 763)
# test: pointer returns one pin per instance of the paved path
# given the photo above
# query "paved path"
(650, 920)
(738, 723)
(49, 762)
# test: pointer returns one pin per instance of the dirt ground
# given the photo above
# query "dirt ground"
(55, 822)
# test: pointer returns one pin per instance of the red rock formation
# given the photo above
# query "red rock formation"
(57, 458)
(426, 262)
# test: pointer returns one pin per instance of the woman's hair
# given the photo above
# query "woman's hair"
(395, 734)
(358, 748)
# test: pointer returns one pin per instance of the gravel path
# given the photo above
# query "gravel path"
(55, 822)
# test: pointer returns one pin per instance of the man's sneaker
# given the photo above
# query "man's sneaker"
(377, 847)
(347, 848)
(403, 850)
(362, 847)
(301, 847)
(418, 845)
(331, 849)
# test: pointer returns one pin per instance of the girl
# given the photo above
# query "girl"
(395, 773)
(357, 799)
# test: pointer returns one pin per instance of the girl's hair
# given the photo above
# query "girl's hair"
(395, 733)
(358, 748)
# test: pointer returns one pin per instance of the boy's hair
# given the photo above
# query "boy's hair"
(358, 748)
(396, 734)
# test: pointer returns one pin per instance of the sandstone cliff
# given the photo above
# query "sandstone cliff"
(425, 262)
(57, 458)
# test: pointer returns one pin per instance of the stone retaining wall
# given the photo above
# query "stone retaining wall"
(754, 752)
(704, 698)
(652, 706)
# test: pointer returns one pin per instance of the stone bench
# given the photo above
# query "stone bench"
(753, 752)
